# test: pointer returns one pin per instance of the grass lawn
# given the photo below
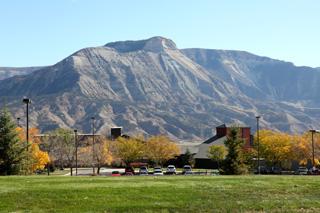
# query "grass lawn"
(164, 194)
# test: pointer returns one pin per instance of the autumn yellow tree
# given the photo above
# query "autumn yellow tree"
(129, 149)
(282, 148)
(98, 156)
(302, 148)
(160, 149)
(36, 158)
(276, 147)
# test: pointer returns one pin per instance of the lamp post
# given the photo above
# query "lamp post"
(27, 101)
(76, 146)
(93, 143)
(312, 142)
(258, 117)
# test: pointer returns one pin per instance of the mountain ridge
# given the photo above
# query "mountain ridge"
(152, 87)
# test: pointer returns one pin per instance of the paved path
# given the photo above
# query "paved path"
(88, 171)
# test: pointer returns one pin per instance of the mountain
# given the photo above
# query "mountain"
(260, 77)
(7, 72)
(152, 87)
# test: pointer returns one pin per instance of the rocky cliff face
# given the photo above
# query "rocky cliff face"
(152, 87)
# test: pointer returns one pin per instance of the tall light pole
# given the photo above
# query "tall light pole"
(27, 101)
(93, 143)
(258, 117)
(312, 141)
(76, 146)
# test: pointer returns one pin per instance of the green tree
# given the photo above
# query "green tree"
(234, 162)
(217, 153)
(12, 150)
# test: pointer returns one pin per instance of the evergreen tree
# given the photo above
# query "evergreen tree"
(234, 162)
(187, 158)
(12, 150)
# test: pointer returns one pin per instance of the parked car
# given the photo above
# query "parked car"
(276, 170)
(301, 171)
(263, 170)
(314, 171)
(143, 170)
(187, 170)
(215, 172)
(129, 171)
(157, 171)
(171, 170)
(115, 174)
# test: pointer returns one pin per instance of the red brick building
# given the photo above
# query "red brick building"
(201, 157)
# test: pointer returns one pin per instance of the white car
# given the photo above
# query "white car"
(187, 170)
(157, 171)
(302, 171)
(171, 170)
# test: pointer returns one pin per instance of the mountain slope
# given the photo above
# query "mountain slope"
(152, 87)
(260, 77)
(7, 72)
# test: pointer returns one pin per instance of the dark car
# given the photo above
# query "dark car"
(314, 171)
(129, 171)
(143, 170)
(275, 170)
(263, 170)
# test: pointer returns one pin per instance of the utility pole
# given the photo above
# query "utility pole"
(93, 143)
(258, 141)
(76, 146)
(27, 101)
(312, 141)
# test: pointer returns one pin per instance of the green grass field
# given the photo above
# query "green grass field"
(160, 194)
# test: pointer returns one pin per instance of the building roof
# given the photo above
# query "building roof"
(212, 139)
(191, 146)
(203, 148)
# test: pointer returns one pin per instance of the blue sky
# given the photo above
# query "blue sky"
(42, 32)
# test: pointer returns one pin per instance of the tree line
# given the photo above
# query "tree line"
(276, 149)
(59, 148)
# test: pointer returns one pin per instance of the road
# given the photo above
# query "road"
(88, 171)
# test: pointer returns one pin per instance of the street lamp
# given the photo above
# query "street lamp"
(27, 101)
(258, 117)
(312, 140)
(76, 146)
(93, 133)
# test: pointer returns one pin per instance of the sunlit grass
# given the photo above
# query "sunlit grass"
(166, 194)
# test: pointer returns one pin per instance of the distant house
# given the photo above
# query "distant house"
(201, 157)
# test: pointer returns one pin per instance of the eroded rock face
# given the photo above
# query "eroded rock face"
(152, 87)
